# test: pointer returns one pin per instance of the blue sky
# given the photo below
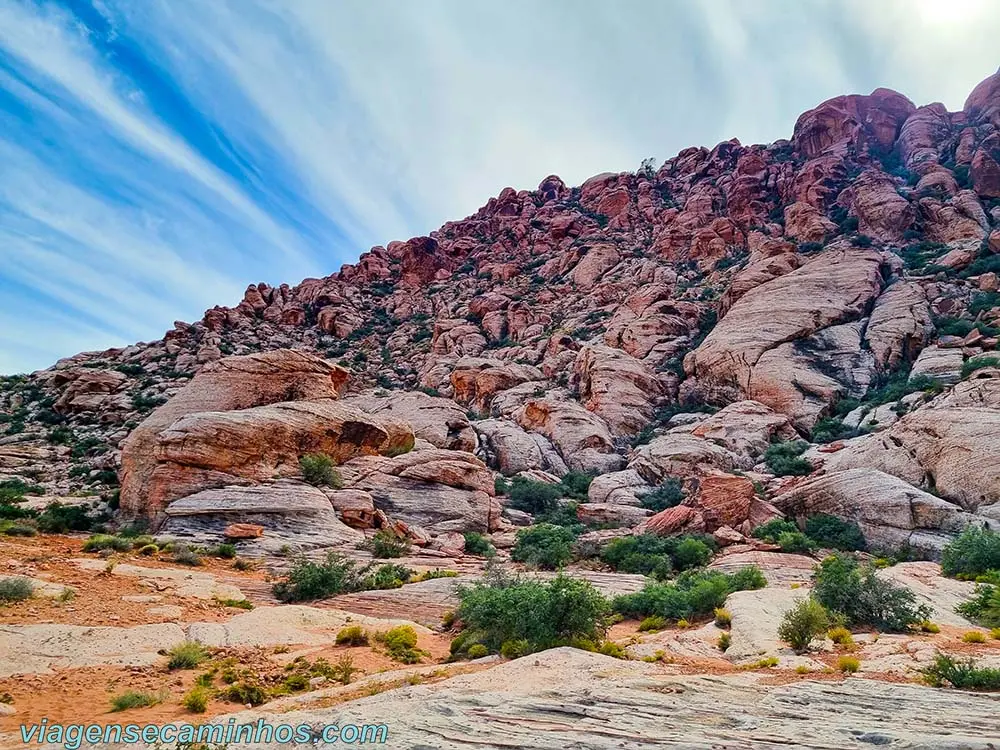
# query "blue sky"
(156, 156)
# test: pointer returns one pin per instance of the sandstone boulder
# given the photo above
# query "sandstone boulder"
(581, 437)
(619, 388)
(439, 421)
(477, 380)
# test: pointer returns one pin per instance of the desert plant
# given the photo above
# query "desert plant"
(926, 626)
(723, 618)
(196, 699)
(385, 544)
(353, 635)
(148, 550)
(848, 664)
(973, 636)
(389, 576)
(225, 551)
(669, 494)
(541, 614)
(796, 542)
(802, 623)
(544, 546)
(785, 459)
(973, 552)
(184, 555)
(99, 542)
(318, 470)
(133, 699)
(514, 649)
(309, 580)
(477, 544)
(977, 363)
(840, 635)
(963, 675)
(16, 589)
(693, 594)
(773, 529)
(401, 644)
(724, 642)
(246, 693)
(235, 603)
(830, 531)
(533, 497)
(477, 651)
(58, 518)
(652, 623)
(343, 670)
(657, 556)
(186, 655)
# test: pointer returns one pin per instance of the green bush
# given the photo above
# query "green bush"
(309, 580)
(245, 693)
(693, 594)
(186, 655)
(531, 615)
(389, 576)
(544, 546)
(785, 459)
(862, 598)
(652, 624)
(963, 675)
(133, 699)
(576, 484)
(830, 531)
(533, 497)
(829, 429)
(796, 542)
(691, 553)
(477, 651)
(773, 529)
(978, 363)
(184, 555)
(196, 699)
(984, 606)
(974, 552)
(385, 544)
(16, 589)
(317, 469)
(401, 644)
(514, 649)
(669, 494)
(58, 519)
(657, 556)
(477, 544)
(225, 551)
(99, 542)
(802, 623)
(353, 635)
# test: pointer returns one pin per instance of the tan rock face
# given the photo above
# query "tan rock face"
(776, 342)
(900, 325)
(882, 212)
(227, 426)
(439, 421)
(890, 512)
(476, 380)
(745, 428)
(806, 223)
(621, 389)
(581, 437)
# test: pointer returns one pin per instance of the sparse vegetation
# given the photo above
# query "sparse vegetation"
(848, 664)
(802, 623)
(186, 655)
(785, 459)
(724, 642)
(16, 589)
(353, 635)
(196, 699)
(99, 542)
(862, 598)
(477, 544)
(133, 699)
(978, 363)
(962, 675)
(974, 552)
(318, 470)
(695, 593)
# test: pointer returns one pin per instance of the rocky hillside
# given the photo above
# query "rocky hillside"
(668, 325)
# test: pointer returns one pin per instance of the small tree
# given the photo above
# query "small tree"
(802, 623)
(533, 497)
(544, 546)
(317, 469)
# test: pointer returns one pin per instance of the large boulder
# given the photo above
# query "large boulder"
(745, 428)
(949, 446)
(891, 513)
(512, 450)
(240, 421)
(439, 421)
(619, 388)
(581, 437)
(795, 343)
(477, 380)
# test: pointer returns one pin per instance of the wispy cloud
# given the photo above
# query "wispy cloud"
(159, 156)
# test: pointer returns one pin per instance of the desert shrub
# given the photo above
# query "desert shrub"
(148, 549)
(785, 459)
(477, 651)
(963, 675)
(694, 593)
(576, 484)
(401, 644)
(973, 552)
(385, 544)
(848, 664)
(186, 655)
(296, 682)
(430, 575)
(802, 623)
(973, 636)
(540, 614)
(840, 635)
(318, 470)
(669, 494)
(796, 541)
(246, 693)
(196, 699)
(514, 649)
(652, 623)
(984, 606)
(235, 603)
(133, 699)
(977, 363)
(545, 546)
(309, 580)
(926, 626)
(16, 589)
(17, 529)
(830, 531)
(723, 618)
(657, 556)
(387, 577)
(353, 635)
(564, 514)
(773, 529)
(184, 555)
(829, 429)
(477, 544)
(225, 551)
(533, 497)
(862, 598)
(58, 519)
(99, 542)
